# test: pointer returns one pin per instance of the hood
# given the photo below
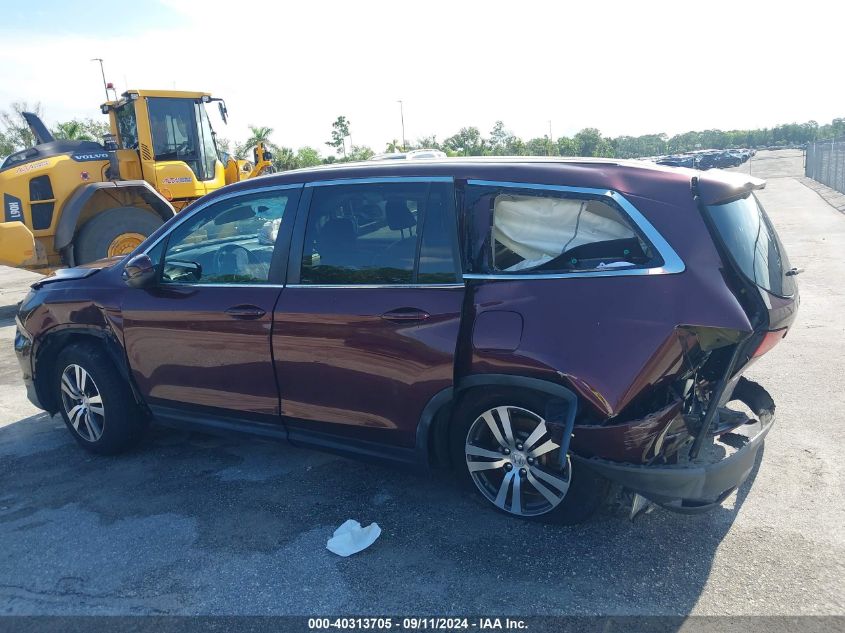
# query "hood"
(78, 272)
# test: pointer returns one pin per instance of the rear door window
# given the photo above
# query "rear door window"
(748, 235)
(548, 231)
(379, 233)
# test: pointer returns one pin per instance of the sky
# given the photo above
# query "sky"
(623, 67)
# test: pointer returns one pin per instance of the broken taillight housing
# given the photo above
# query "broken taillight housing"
(769, 341)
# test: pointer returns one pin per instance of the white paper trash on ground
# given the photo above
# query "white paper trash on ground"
(350, 538)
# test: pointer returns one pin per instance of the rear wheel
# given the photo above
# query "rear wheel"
(95, 402)
(503, 447)
(114, 232)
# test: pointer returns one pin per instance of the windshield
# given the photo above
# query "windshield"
(752, 241)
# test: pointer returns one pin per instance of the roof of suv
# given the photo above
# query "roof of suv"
(639, 178)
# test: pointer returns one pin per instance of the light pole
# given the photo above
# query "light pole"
(103, 73)
(402, 116)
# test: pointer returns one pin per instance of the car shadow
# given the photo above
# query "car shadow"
(194, 523)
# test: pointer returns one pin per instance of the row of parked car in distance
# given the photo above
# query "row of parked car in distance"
(706, 158)
(700, 159)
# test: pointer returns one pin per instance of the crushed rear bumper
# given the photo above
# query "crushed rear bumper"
(701, 484)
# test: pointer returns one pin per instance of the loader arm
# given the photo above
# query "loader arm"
(263, 164)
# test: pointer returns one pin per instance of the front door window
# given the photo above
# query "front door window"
(229, 242)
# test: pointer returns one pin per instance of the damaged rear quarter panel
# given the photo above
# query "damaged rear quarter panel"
(612, 339)
(634, 441)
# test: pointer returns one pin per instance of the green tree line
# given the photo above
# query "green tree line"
(468, 141)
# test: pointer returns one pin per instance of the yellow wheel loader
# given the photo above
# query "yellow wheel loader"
(72, 202)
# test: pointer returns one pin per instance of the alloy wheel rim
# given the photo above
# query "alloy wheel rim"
(514, 461)
(83, 403)
(124, 244)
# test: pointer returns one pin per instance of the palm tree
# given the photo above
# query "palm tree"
(259, 135)
(72, 131)
(393, 147)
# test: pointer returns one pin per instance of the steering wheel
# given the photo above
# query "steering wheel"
(232, 259)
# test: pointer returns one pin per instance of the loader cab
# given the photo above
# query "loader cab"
(170, 133)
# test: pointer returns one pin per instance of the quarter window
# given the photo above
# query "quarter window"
(229, 242)
(544, 231)
(370, 234)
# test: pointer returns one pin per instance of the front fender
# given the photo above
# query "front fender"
(47, 346)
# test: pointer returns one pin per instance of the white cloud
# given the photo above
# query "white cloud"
(624, 67)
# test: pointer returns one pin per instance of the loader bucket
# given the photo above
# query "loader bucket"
(17, 245)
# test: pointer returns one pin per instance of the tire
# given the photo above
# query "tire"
(94, 238)
(575, 503)
(110, 421)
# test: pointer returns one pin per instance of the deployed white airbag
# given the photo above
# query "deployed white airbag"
(539, 229)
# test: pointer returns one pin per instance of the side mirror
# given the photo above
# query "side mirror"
(139, 271)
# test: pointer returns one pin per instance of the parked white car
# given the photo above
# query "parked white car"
(412, 155)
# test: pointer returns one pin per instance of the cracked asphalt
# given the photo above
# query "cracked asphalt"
(196, 524)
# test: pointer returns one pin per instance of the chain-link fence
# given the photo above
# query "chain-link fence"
(825, 163)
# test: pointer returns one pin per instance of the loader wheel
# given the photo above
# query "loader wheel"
(113, 232)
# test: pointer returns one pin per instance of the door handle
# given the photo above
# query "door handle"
(405, 315)
(246, 312)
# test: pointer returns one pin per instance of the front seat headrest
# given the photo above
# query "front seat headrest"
(398, 215)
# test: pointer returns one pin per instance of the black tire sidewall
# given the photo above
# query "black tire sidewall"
(587, 490)
(93, 239)
(124, 422)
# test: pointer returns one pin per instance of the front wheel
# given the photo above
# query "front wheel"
(502, 445)
(113, 232)
(96, 403)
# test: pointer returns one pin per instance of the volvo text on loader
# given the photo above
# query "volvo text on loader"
(70, 202)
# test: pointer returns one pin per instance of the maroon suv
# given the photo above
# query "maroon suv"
(545, 327)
